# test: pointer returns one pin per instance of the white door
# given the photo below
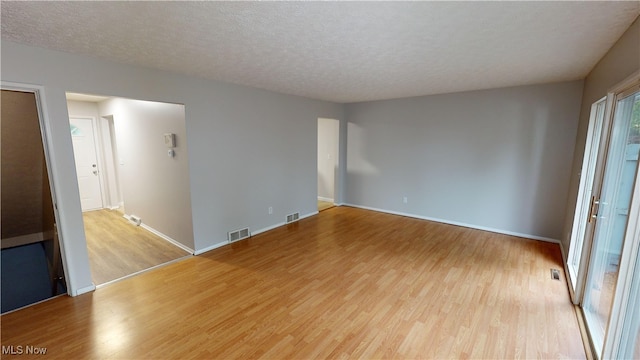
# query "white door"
(581, 217)
(84, 149)
(612, 217)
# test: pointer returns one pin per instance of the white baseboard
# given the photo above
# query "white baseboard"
(253, 233)
(165, 237)
(212, 247)
(471, 226)
(260, 231)
(83, 290)
(309, 215)
(281, 224)
(325, 199)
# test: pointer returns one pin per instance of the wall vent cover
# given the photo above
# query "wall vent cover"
(239, 234)
(293, 217)
(555, 274)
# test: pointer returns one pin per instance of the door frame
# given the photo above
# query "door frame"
(590, 158)
(613, 332)
(45, 130)
(339, 163)
(630, 248)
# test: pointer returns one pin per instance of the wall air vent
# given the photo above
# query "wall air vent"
(555, 274)
(293, 217)
(239, 234)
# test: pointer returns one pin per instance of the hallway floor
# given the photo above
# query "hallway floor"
(117, 248)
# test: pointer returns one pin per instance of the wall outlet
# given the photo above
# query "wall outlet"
(270, 210)
(405, 200)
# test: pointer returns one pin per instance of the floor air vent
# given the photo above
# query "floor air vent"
(293, 217)
(555, 274)
(239, 234)
(135, 220)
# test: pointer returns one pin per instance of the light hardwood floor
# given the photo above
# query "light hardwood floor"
(324, 205)
(117, 248)
(347, 283)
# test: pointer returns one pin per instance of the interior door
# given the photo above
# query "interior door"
(84, 148)
(611, 211)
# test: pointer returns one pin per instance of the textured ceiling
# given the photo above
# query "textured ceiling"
(337, 51)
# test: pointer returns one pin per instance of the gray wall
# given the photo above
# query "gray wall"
(248, 149)
(495, 159)
(622, 60)
(155, 187)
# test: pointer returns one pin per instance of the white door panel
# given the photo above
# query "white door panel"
(84, 148)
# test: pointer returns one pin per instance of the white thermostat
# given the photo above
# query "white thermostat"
(170, 140)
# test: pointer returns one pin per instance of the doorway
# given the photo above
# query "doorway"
(32, 268)
(611, 209)
(603, 228)
(328, 162)
(134, 186)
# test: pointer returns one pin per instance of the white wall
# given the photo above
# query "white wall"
(155, 187)
(248, 149)
(496, 159)
(328, 138)
(622, 60)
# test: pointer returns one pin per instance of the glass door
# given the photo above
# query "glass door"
(611, 210)
(583, 205)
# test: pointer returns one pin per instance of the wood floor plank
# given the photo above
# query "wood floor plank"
(347, 283)
(117, 248)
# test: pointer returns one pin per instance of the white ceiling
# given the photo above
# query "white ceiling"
(337, 51)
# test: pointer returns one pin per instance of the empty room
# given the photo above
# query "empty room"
(482, 179)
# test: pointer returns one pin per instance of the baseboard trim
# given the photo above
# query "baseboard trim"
(253, 233)
(456, 223)
(321, 198)
(308, 215)
(84, 290)
(167, 238)
(260, 231)
(212, 247)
